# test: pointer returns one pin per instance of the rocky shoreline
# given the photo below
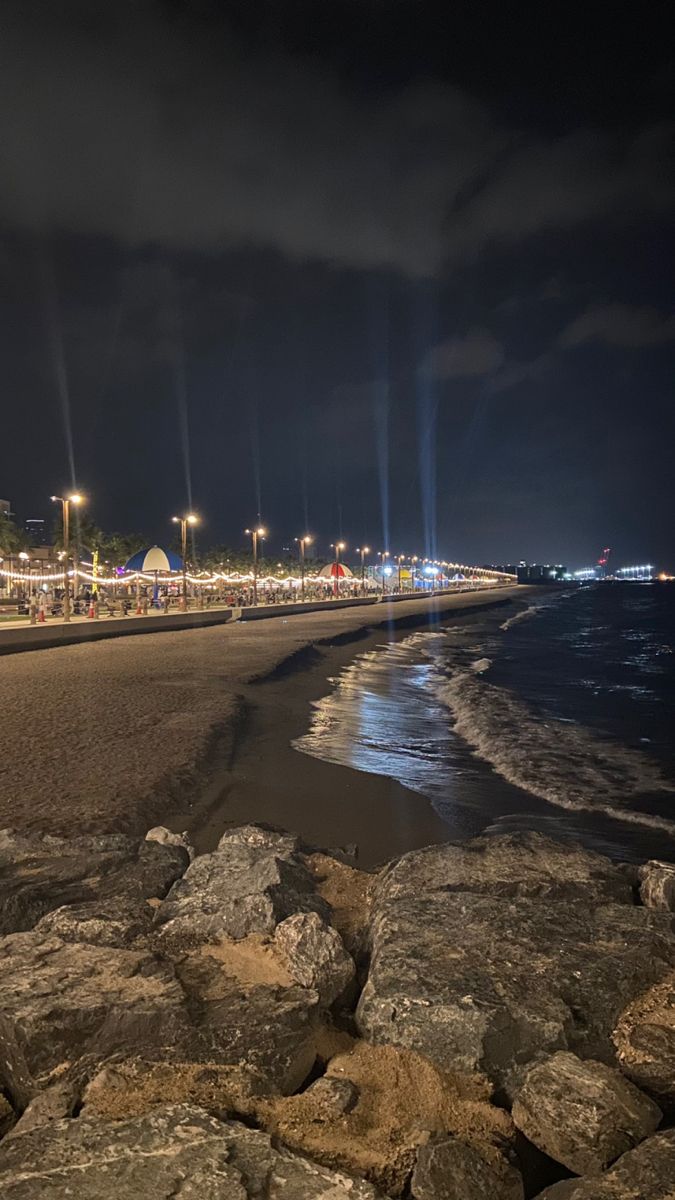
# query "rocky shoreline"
(492, 1019)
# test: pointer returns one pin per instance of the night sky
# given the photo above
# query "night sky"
(396, 271)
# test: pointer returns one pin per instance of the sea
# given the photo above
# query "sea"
(555, 715)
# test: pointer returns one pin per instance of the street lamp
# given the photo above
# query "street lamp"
(337, 546)
(400, 559)
(254, 535)
(65, 502)
(303, 541)
(413, 567)
(363, 550)
(188, 519)
(383, 555)
(25, 562)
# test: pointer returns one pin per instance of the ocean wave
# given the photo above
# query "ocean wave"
(562, 763)
(522, 615)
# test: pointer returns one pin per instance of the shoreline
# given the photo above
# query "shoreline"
(329, 804)
(118, 735)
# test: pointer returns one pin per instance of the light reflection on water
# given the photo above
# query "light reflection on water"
(385, 715)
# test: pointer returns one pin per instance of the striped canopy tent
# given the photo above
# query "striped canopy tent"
(154, 559)
(335, 571)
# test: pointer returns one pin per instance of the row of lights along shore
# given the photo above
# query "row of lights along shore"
(257, 534)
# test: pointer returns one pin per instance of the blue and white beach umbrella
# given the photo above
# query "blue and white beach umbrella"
(154, 559)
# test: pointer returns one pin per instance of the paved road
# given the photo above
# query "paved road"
(99, 736)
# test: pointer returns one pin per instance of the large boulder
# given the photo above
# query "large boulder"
(237, 890)
(166, 837)
(511, 865)
(492, 977)
(582, 1114)
(60, 1001)
(449, 1169)
(645, 1173)
(176, 1150)
(39, 874)
(315, 955)
(657, 884)
(269, 1027)
(120, 922)
(267, 837)
(645, 1042)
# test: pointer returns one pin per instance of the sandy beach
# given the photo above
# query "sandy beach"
(193, 729)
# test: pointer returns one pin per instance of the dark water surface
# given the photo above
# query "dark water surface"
(558, 719)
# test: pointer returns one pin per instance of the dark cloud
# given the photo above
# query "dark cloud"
(475, 354)
(513, 374)
(115, 122)
(626, 325)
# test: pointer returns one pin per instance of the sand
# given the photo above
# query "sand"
(124, 734)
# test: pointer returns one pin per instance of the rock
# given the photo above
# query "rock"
(159, 833)
(483, 982)
(237, 890)
(60, 1001)
(57, 1101)
(450, 1170)
(582, 1114)
(333, 1097)
(40, 874)
(315, 955)
(508, 865)
(645, 1173)
(111, 922)
(645, 1042)
(348, 893)
(7, 1116)
(267, 837)
(175, 1150)
(657, 885)
(269, 1028)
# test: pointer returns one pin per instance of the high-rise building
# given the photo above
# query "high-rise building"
(36, 528)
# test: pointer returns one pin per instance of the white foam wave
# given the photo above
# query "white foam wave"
(562, 763)
(522, 615)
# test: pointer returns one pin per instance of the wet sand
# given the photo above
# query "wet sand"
(266, 779)
(179, 728)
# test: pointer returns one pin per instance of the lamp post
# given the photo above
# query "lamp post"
(363, 550)
(25, 563)
(400, 558)
(413, 568)
(337, 546)
(303, 541)
(383, 555)
(65, 502)
(188, 519)
(254, 535)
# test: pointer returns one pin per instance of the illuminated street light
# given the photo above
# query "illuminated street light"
(303, 541)
(363, 550)
(188, 519)
(254, 535)
(400, 559)
(65, 502)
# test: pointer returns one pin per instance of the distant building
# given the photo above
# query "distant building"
(5, 508)
(36, 529)
(541, 573)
